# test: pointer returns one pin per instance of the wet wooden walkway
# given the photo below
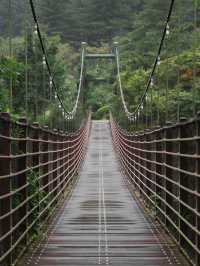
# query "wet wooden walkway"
(102, 224)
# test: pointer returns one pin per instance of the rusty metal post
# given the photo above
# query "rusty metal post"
(55, 162)
(22, 179)
(142, 155)
(50, 161)
(167, 159)
(133, 158)
(183, 164)
(197, 185)
(147, 156)
(134, 153)
(45, 159)
(127, 154)
(139, 173)
(65, 147)
(158, 169)
(153, 168)
(70, 154)
(137, 168)
(62, 161)
(5, 187)
(59, 154)
(179, 180)
(36, 159)
(36, 145)
(163, 194)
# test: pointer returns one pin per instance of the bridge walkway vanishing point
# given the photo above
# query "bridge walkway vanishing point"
(102, 223)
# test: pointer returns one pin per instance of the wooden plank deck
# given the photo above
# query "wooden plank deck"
(101, 224)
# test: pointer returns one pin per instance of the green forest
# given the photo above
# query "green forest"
(137, 26)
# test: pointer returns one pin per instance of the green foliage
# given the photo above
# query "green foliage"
(182, 86)
(10, 68)
(102, 113)
(137, 25)
(93, 21)
(38, 196)
(33, 189)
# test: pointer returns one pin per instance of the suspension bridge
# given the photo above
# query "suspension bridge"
(77, 191)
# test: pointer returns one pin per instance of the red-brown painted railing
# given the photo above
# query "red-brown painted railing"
(36, 168)
(164, 166)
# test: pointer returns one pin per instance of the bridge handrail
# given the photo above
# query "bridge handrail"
(164, 166)
(35, 179)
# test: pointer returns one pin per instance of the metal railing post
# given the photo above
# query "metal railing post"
(197, 186)
(45, 159)
(163, 203)
(62, 161)
(35, 163)
(158, 169)
(55, 161)
(5, 187)
(22, 178)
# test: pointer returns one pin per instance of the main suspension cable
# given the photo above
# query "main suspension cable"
(132, 115)
(68, 114)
